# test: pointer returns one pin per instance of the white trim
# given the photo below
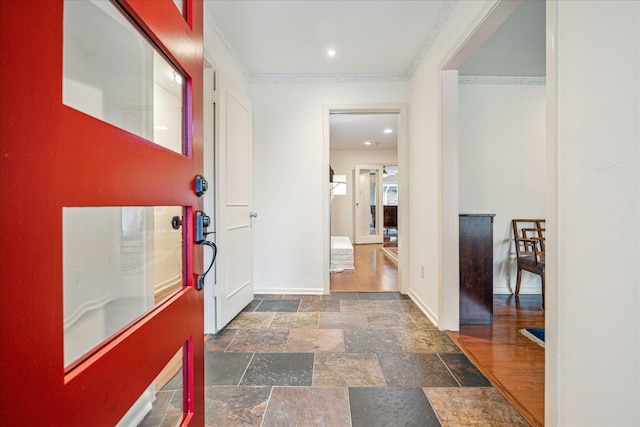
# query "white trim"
(501, 80)
(492, 16)
(168, 284)
(327, 78)
(448, 202)
(532, 337)
(140, 409)
(433, 35)
(239, 227)
(247, 283)
(288, 291)
(551, 357)
(87, 306)
(213, 22)
(423, 307)
(208, 160)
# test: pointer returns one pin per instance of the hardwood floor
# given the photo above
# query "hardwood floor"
(374, 272)
(513, 363)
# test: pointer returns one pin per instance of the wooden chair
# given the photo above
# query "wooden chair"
(529, 238)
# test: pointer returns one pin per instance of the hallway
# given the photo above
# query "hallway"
(375, 272)
(345, 359)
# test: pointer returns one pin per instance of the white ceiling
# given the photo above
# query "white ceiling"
(517, 48)
(376, 40)
(292, 37)
(350, 131)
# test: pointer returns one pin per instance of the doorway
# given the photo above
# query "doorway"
(468, 169)
(360, 144)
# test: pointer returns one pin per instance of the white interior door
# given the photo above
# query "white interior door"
(368, 204)
(234, 266)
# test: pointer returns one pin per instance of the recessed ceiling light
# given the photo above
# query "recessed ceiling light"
(387, 130)
(332, 52)
(368, 143)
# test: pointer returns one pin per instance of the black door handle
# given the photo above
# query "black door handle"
(202, 222)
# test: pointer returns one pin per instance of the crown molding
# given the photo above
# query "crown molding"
(445, 12)
(215, 24)
(501, 80)
(327, 78)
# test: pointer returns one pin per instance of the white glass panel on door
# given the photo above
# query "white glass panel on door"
(113, 73)
(118, 263)
(162, 403)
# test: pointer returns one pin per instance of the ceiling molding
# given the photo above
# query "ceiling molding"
(213, 21)
(327, 78)
(501, 80)
(433, 34)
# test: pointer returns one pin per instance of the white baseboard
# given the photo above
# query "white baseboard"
(86, 306)
(423, 307)
(140, 408)
(168, 284)
(289, 291)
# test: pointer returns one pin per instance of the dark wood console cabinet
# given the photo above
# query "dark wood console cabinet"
(476, 269)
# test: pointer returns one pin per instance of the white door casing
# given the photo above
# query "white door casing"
(209, 196)
(233, 221)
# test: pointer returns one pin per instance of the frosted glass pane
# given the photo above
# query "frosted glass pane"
(118, 263)
(112, 72)
(161, 404)
(180, 5)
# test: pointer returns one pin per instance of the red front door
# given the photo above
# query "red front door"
(98, 291)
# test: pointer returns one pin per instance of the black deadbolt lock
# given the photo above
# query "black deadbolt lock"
(201, 185)
(176, 222)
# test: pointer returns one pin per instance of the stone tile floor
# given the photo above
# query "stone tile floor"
(345, 359)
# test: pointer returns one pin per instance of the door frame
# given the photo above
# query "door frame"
(487, 21)
(208, 160)
(403, 185)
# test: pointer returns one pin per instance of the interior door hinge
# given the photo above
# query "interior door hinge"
(213, 96)
(216, 290)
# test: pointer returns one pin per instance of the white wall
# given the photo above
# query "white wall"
(343, 163)
(595, 368)
(424, 149)
(502, 166)
(289, 171)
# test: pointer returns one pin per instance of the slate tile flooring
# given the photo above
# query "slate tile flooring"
(345, 359)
